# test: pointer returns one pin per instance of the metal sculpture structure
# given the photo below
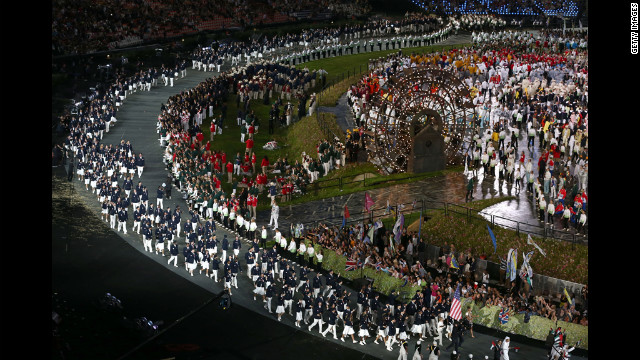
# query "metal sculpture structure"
(412, 101)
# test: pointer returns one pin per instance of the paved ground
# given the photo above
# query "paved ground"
(145, 281)
(89, 259)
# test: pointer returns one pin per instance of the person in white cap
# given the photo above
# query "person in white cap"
(434, 351)
(417, 355)
(403, 351)
(504, 350)
(274, 214)
(470, 356)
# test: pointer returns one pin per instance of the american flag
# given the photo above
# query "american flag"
(455, 312)
(350, 265)
(378, 265)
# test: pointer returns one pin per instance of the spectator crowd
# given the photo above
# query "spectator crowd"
(81, 27)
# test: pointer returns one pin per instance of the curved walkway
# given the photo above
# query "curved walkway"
(137, 123)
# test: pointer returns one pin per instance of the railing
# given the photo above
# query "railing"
(325, 128)
(448, 208)
(341, 182)
(344, 75)
(538, 230)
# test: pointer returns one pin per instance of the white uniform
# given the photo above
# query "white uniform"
(504, 352)
(274, 216)
(403, 353)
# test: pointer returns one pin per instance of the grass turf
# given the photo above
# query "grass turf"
(304, 134)
(340, 67)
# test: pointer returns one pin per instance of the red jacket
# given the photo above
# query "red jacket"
(578, 200)
(249, 144)
(265, 162)
(562, 193)
(559, 208)
(229, 167)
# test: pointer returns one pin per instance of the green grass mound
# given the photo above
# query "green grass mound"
(563, 260)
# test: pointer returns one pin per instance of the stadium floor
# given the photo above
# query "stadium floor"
(89, 259)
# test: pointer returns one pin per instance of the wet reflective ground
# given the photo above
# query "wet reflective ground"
(520, 213)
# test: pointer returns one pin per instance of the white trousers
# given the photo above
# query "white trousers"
(307, 314)
(249, 267)
(288, 304)
(317, 321)
(331, 328)
(123, 225)
(147, 244)
(390, 341)
(274, 220)
(439, 336)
